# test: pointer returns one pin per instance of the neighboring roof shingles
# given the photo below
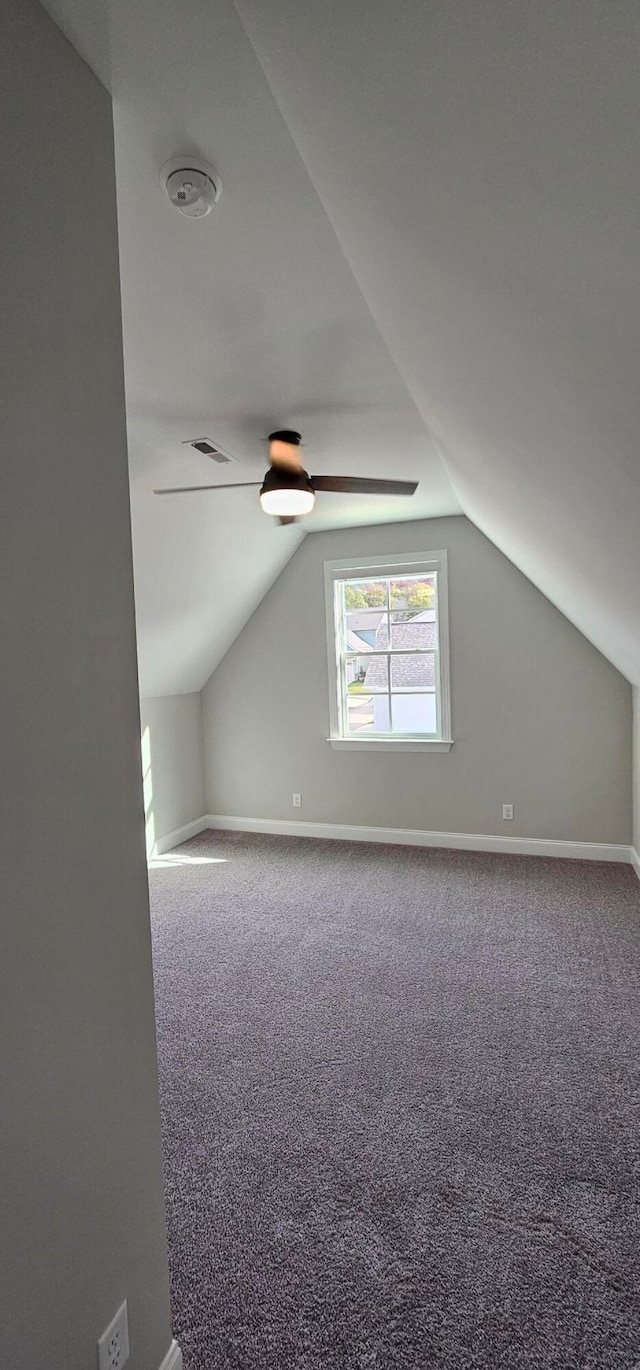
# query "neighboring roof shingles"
(407, 671)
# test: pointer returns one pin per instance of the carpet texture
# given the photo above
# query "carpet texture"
(401, 1106)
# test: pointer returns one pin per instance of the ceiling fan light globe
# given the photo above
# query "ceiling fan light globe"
(287, 502)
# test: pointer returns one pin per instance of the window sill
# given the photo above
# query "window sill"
(390, 744)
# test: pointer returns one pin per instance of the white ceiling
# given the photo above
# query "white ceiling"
(431, 238)
(236, 324)
(480, 164)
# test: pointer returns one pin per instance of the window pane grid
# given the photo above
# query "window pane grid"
(388, 619)
(395, 651)
(389, 677)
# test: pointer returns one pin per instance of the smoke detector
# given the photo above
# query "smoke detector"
(192, 185)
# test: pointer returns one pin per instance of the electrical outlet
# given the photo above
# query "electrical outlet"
(297, 801)
(507, 810)
(113, 1346)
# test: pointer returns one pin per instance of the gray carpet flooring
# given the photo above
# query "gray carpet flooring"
(401, 1106)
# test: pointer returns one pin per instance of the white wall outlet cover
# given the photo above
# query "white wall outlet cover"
(297, 801)
(113, 1346)
(507, 810)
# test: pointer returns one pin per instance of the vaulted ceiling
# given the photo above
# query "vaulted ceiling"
(425, 256)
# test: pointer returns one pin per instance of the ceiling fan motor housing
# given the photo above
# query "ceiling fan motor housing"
(284, 449)
(286, 435)
(283, 478)
(287, 490)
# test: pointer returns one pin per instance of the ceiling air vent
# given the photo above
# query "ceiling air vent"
(208, 450)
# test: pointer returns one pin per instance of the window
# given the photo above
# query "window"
(387, 635)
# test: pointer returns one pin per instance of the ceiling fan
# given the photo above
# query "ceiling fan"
(288, 491)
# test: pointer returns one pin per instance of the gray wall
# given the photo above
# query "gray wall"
(636, 769)
(82, 1221)
(173, 763)
(540, 719)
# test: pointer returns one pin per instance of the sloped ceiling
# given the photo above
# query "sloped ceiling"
(236, 324)
(426, 256)
(480, 165)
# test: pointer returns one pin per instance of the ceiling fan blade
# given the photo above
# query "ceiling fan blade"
(191, 489)
(359, 485)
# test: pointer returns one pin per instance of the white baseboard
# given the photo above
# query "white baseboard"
(173, 839)
(415, 837)
(173, 1358)
(635, 861)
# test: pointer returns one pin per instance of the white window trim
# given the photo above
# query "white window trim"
(417, 562)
